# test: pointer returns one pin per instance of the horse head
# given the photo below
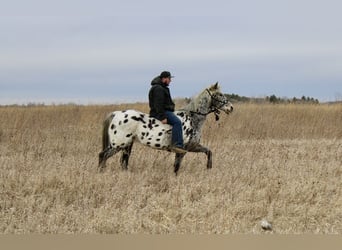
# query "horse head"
(219, 101)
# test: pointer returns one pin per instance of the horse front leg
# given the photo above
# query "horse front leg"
(198, 148)
(210, 159)
(178, 161)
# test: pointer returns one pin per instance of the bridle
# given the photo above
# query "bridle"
(215, 110)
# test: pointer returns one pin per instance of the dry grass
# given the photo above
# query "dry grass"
(279, 162)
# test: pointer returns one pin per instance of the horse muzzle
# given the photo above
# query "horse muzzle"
(228, 108)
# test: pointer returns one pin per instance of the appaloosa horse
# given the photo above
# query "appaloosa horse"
(122, 128)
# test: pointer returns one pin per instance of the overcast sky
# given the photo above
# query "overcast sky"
(109, 51)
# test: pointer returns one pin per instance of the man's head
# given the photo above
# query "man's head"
(165, 77)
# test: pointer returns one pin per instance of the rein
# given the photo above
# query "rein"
(204, 114)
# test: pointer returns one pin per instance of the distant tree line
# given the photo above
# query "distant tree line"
(303, 99)
(237, 98)
(271, 99)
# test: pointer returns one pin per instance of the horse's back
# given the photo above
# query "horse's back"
(128, 119)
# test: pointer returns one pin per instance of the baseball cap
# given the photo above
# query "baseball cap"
(166, 74)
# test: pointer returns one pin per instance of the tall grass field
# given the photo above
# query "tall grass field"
(280, 163)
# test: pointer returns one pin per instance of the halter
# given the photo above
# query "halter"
(213, 97)
(216, 109)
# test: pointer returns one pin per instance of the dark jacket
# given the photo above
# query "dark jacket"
(160, 99)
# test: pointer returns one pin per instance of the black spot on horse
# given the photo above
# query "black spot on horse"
(181, 114)
(120, 122)
(150, 126)
(143, 133)
(115, 132)
(148, 143)
(158, 145)
(138, 119)
(188, 132)
(129, 135)
(144, 126)
(158, 139)
(112, 127)
(160, 134)
(126, 115)
(125, 121)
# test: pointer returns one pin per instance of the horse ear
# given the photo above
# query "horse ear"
(215, 86)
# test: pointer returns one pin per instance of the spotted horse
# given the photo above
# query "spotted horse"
(122, 128)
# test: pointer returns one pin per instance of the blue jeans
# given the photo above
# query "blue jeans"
(177, 132)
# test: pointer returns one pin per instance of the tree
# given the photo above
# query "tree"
(273, 99)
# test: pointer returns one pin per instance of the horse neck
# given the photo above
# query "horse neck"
(199, 107)
(200, 104)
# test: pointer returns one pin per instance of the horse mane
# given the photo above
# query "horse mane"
(201, 102)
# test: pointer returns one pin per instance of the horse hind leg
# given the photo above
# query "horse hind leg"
(104, 155)
(126, 152)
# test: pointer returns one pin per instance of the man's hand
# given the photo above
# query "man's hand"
(164, 121)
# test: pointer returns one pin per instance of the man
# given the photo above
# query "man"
(162, 108)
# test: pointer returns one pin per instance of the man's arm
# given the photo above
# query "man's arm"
(159, 103)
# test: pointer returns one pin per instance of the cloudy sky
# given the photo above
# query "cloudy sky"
(108, 51)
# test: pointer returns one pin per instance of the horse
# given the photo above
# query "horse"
(122, 128)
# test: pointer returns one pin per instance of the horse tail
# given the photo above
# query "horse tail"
(105, 134)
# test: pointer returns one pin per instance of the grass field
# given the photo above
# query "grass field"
(282, 163)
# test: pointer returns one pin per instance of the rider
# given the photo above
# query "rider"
(162, 108)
